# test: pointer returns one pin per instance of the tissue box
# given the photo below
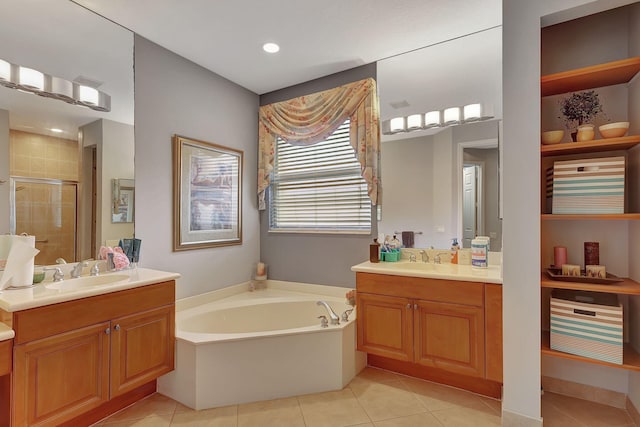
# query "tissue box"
(589, 186)
(588, 324)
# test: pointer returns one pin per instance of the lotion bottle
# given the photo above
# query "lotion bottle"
(454, 250)
(374, 251)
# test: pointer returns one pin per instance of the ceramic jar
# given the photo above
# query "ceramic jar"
(586, 133)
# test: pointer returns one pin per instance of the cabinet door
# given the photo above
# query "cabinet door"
(60, 377)
(142, 348)
(385, 326)
(450, 337)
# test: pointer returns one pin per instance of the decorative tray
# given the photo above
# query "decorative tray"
(556, 274)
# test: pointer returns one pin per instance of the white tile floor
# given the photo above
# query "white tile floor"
(374, 398)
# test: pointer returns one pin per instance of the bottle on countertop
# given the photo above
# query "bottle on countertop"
(455, 246)
(374, 251)
(479, 252)
(395, 243)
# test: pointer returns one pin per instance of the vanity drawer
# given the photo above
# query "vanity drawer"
(450, 291)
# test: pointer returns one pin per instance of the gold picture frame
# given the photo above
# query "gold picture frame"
(207, 194)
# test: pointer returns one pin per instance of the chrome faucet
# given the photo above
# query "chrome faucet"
(437, 259)
(77, 270)
(412, 258)
(345, 315)
(425, 256)
(58, 275)
(95, 270)
(335, 320)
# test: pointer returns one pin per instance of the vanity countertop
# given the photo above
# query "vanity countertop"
(49, 292)
(492, 274)
(6, 333)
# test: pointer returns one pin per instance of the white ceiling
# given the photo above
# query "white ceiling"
(316, 38)
(61, 38)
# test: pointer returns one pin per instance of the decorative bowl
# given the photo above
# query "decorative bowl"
(614, 130)
(552, 136)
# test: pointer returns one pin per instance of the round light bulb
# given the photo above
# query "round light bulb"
(270, 47)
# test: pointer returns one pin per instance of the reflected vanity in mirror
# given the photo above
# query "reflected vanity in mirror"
(65, 151)
(122, 191)
(423, 170)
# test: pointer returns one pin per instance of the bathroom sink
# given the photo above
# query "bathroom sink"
(427, 267)
(89, 281)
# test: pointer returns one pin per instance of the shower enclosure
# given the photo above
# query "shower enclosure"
(46, 208)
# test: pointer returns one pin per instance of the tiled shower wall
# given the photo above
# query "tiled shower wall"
(46, 210)
(39, 156)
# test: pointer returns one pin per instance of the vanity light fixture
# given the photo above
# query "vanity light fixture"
(437, 118)
(56, 130)
(452, 116)
(58, 88)
(397, 125)
(414, 121)
(87, 95)
(30, 80)
(472, 112)
(5, 71)
(270, 47)
(432, 119)
(33, 81)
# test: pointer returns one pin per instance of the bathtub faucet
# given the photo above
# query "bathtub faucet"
(335, 320)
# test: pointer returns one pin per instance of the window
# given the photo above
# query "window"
(318, 188)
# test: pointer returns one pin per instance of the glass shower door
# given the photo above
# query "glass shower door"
(46, 209)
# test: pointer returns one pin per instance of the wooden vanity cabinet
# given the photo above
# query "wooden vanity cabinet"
(431, 328)
(80, 360)
(385, 325)
(449, 337)
(6, 350)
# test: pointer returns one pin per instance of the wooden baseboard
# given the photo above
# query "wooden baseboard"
(585, 392)
(113, 405)
(633, 412)
(476, 385)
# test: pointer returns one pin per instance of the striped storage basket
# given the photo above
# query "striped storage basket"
(548, 190)
(588, 324)
(589, 186)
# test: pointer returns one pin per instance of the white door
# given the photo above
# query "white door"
(469, 202)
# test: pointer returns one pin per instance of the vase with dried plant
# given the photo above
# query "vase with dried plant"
(579, 109)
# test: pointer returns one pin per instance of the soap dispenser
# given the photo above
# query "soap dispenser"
(454, 250)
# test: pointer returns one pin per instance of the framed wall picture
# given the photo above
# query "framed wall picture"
(207, 194)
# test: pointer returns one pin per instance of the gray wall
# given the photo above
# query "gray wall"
(176, 96)
(314, 258)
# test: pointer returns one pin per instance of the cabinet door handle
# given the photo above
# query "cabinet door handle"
(107, 331)
(409, 306)
(117, 327)
(415, 306)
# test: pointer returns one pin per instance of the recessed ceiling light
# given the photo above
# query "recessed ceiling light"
(56, 130)
(270, 47)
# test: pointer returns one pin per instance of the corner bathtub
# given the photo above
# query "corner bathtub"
(235, 346)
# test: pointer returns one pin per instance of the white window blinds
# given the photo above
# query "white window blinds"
(318, 188)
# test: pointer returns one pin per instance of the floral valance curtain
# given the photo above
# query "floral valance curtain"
(309, 119)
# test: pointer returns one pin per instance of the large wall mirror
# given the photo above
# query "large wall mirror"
(63, 157)
(424, 171)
